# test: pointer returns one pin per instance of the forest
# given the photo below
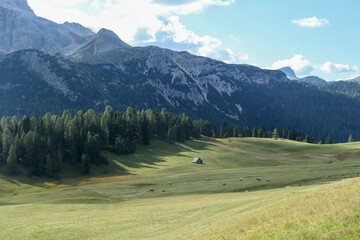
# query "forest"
(41, 145)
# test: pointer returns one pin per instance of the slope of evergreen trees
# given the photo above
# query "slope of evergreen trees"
(42, 144)
(228, 130)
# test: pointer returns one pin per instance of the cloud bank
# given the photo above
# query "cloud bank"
(142, 22)
(298, 63)
(312, 22)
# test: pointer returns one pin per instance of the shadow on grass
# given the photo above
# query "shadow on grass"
(151, 156)
(157, 153)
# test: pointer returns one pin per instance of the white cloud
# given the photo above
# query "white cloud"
(312, 22)
(206, 46)
(142, 21)
(298, 63)
(330, 67)
(124, 17)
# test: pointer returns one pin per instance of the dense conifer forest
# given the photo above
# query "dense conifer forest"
(41, 145)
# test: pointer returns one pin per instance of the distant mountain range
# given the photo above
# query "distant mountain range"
(51, 67)
(309, 79)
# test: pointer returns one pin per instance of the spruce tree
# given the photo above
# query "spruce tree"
(85, 164)
(275, 134)
(12, 160)
(261, 133)
(328, 140)
(171, 136)
(288, 135)
(255, 133)
(351, 139)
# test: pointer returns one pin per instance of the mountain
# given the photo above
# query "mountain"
(313, 80)
(33, 82)
(78, 29)
(16, 5)
(95, 70)
(21, 29)
(355, 80)
(105, 40)
(289, 73)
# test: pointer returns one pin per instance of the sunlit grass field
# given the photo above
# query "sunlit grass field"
(303, 199)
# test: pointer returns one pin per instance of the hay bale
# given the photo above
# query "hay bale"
(241, 179)
(246, 191)
(207, 179)
(223, 183)
(151, 190)
(163, 190)
(268, 180)
(170, 183)
(258, 178)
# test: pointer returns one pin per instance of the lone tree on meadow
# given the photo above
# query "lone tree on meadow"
(328, 140)
(351, 139)
(275, 134)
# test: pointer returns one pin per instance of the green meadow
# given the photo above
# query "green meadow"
(312, 192)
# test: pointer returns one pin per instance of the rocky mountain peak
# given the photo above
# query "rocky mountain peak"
(289, 73)
(78, 29)
(18, 5)
(108, 36)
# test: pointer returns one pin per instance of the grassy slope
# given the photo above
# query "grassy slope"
(121, 206)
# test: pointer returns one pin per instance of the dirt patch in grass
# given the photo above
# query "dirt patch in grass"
(344, 156)
(143, 184)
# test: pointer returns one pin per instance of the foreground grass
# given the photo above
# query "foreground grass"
(114, 201)
(317, 212)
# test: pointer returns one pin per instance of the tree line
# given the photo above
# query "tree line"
(41, 145)
(228, 130)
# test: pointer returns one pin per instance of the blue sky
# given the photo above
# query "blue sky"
(317, 37)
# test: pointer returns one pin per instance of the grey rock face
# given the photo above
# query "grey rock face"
(18, 5)
(78, 29)
(105, 40)
(21, 29)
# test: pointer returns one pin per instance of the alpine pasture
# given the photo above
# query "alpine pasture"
(313, 192)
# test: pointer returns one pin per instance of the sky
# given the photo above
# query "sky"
(313, 37)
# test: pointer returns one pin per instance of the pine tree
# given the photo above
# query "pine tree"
(50, 165)
(288, 135)
(322, 140)
(12, 160)
(236, 131)
(275, 134)
(144, 129)
(351, 139)
(172, 134)
(328, 140)
(261, 133)
(255, 133)
(85, 164)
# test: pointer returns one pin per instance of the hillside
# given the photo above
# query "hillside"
(32, 82)
(118, 198)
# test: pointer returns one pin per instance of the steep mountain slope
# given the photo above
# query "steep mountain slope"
(105, 40)
(32, 82)
(21, 29)
(355, 80)
(289, 73)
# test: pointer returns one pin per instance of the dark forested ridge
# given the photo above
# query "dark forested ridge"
(41, 145)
